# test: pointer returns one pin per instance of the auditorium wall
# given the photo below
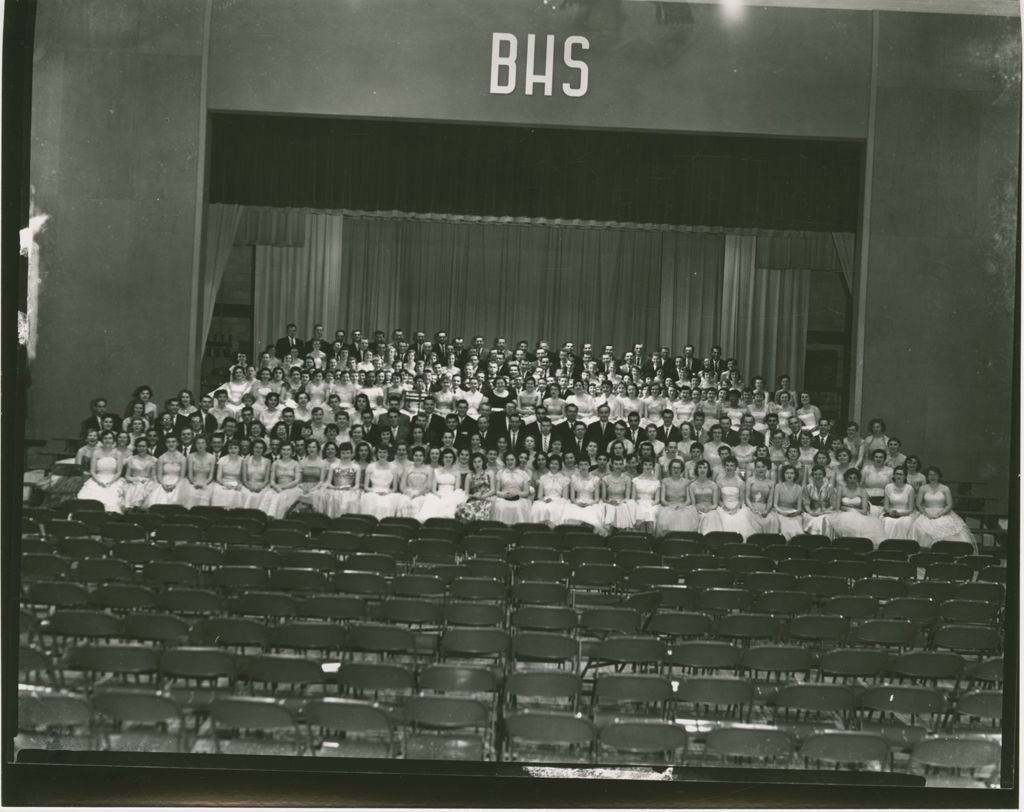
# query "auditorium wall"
(115, 138)
(941, 255)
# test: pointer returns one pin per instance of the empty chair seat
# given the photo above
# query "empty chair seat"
(349, 728)
(539, 736)
(255, 725)
(849, 748)
(855, 664)
(823, 700)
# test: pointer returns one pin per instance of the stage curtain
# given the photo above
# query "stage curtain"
(265, 225)
(846, 249)
(222, 221)
(764, 313)
(300, 284)
(529, 281)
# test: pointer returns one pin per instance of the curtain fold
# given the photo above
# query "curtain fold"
(301, 284)
(266, 225)
(222, 221)
(764, 313)
(846, 247)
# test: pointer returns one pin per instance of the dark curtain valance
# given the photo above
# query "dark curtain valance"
(628, 177)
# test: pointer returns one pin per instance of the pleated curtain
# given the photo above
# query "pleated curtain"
(221, 228)
(764, 313)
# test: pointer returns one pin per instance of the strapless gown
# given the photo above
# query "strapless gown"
(849, 521)
(928, 530)
(719, 519)
(107, 471)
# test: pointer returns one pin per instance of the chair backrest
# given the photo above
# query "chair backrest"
(446, 678)
(544, 684)
(774, 659)
(903, 699)
(819, 697)
(929, 665)
(678, 625)
(281, 670)
(845, 747)
(750, 743)
(200, 663)
(473, 613)
(549, 728)
(252, 713)
(348, 716)
(136, 706)
(967, 638)
(956, 752)
(630, 650)
(445, 713)
(857, 663)
(705, 655)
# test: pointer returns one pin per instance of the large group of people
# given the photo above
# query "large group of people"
(424, 428)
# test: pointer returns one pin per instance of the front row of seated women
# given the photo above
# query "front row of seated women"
(423, 487)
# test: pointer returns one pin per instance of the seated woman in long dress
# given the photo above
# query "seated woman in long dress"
(139, 477)
(854, 517)
(283, 491)
(380, 497)
(646, 490)
(616, 494)
(552, 489)
(877, 440)
(105, 483)
(787, 500)
(479, 487)
(675, 512)
(227, 487)
(915, 477)
(340, 492)
(937, 521)
(759, 490)
(446, 495)
(528, 400)
(171, 487)
(704, 496)
(819, 501)
(200, 466)
(512, 492)
(899, 510)
(584, 500)
(874, 476)
(731, 515)
(311, 471)
(255, 474)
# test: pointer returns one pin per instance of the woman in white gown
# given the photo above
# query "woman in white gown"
(227, 488)
(139, 477)
(255, 474)
(283, 491)
(552, 494)
(731, 515)
(379, 497)
(342, 482)
(899, 508)
(199, 468)
(105, 483)
(854, 517)
(874, 476)
(786, 500)
(819, 501)
(704, 496)
(616, 495)
(675, 513)
(646, 489)
(311, 476)
(171, 487)
(512, 497)
(584, 501)
(759, 491)
(937, 521)
(446, 495)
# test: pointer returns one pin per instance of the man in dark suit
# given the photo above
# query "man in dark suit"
(283, 346)
(293, 426)
(690, 364)
(651, 368)
(395, 404)
(516, 433)
(825, 434)
(756, 437)
(434, 428)
(180, 420)
(602, 432)
(717, 362)
(186, 442)
(391, 428)
(465, 426)
(576, 443)
(634, 433)
(98, 407)
(318, 336)
(441, 346)
(419, 342)
(563, 431)
(545, 436)
(488, 434)
(667, 432)
(729, 435)
(500, 420)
